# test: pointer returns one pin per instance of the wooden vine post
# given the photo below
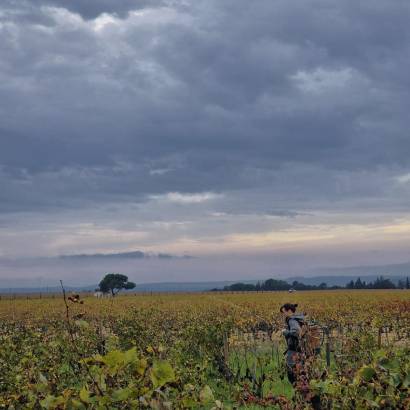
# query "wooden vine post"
(327, 333)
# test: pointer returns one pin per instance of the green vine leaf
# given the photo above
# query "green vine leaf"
(162, 373)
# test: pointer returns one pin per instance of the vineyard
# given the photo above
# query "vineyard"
(205, 351)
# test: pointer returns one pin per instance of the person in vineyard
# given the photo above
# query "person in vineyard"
(293, 334)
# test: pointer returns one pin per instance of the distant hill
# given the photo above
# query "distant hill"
(184, 286)
(142, 287)
(203, 286)
(331, 276)
(342, 280)
(398, 269)
(342, 275)
(48, 289)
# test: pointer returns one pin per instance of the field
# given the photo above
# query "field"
(210, 350)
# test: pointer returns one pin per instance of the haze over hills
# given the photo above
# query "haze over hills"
(142, 287)
(339, 276)
(397, 269)
(342, 280)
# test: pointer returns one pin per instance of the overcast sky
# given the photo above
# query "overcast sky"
(276, 130)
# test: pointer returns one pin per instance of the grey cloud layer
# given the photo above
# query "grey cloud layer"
(305, 101)
(88, 9)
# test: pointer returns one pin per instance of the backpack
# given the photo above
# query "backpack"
(310, 339)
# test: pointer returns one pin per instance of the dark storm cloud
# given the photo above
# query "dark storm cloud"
(223, 95)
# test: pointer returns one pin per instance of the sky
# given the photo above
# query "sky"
(267, 136)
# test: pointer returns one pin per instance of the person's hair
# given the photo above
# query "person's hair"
(289, 306)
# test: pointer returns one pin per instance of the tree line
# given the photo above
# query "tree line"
(276, 284)
(380, 283)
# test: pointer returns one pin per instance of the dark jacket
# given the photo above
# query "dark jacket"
(292, 333)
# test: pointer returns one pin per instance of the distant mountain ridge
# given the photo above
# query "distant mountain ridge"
(332, 276)
(342, 280)
(141, 287)
(389, 269)
(203, 286)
